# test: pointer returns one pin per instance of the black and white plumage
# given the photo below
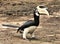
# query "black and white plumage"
(31, 25)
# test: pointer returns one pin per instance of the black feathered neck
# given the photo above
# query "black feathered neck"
(36, 18)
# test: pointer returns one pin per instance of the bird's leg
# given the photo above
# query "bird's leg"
(33, 35)
(25, 32)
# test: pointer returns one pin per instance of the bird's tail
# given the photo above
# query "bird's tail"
(8, 25)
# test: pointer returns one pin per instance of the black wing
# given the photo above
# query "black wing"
(26, 24)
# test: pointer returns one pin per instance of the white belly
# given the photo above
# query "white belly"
(30, 29)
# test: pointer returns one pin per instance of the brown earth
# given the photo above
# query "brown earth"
(48, 31)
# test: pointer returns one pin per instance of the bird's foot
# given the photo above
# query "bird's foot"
(33, 36)
(25, 39)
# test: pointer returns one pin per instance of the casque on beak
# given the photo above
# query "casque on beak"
(42, 9)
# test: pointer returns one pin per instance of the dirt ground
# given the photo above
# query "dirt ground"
(48, 31)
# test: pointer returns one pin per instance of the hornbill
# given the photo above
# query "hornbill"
(31, 25)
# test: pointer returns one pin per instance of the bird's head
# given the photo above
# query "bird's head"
(42, 9)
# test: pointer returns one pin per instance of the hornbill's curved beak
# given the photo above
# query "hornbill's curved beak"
(42, 9)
